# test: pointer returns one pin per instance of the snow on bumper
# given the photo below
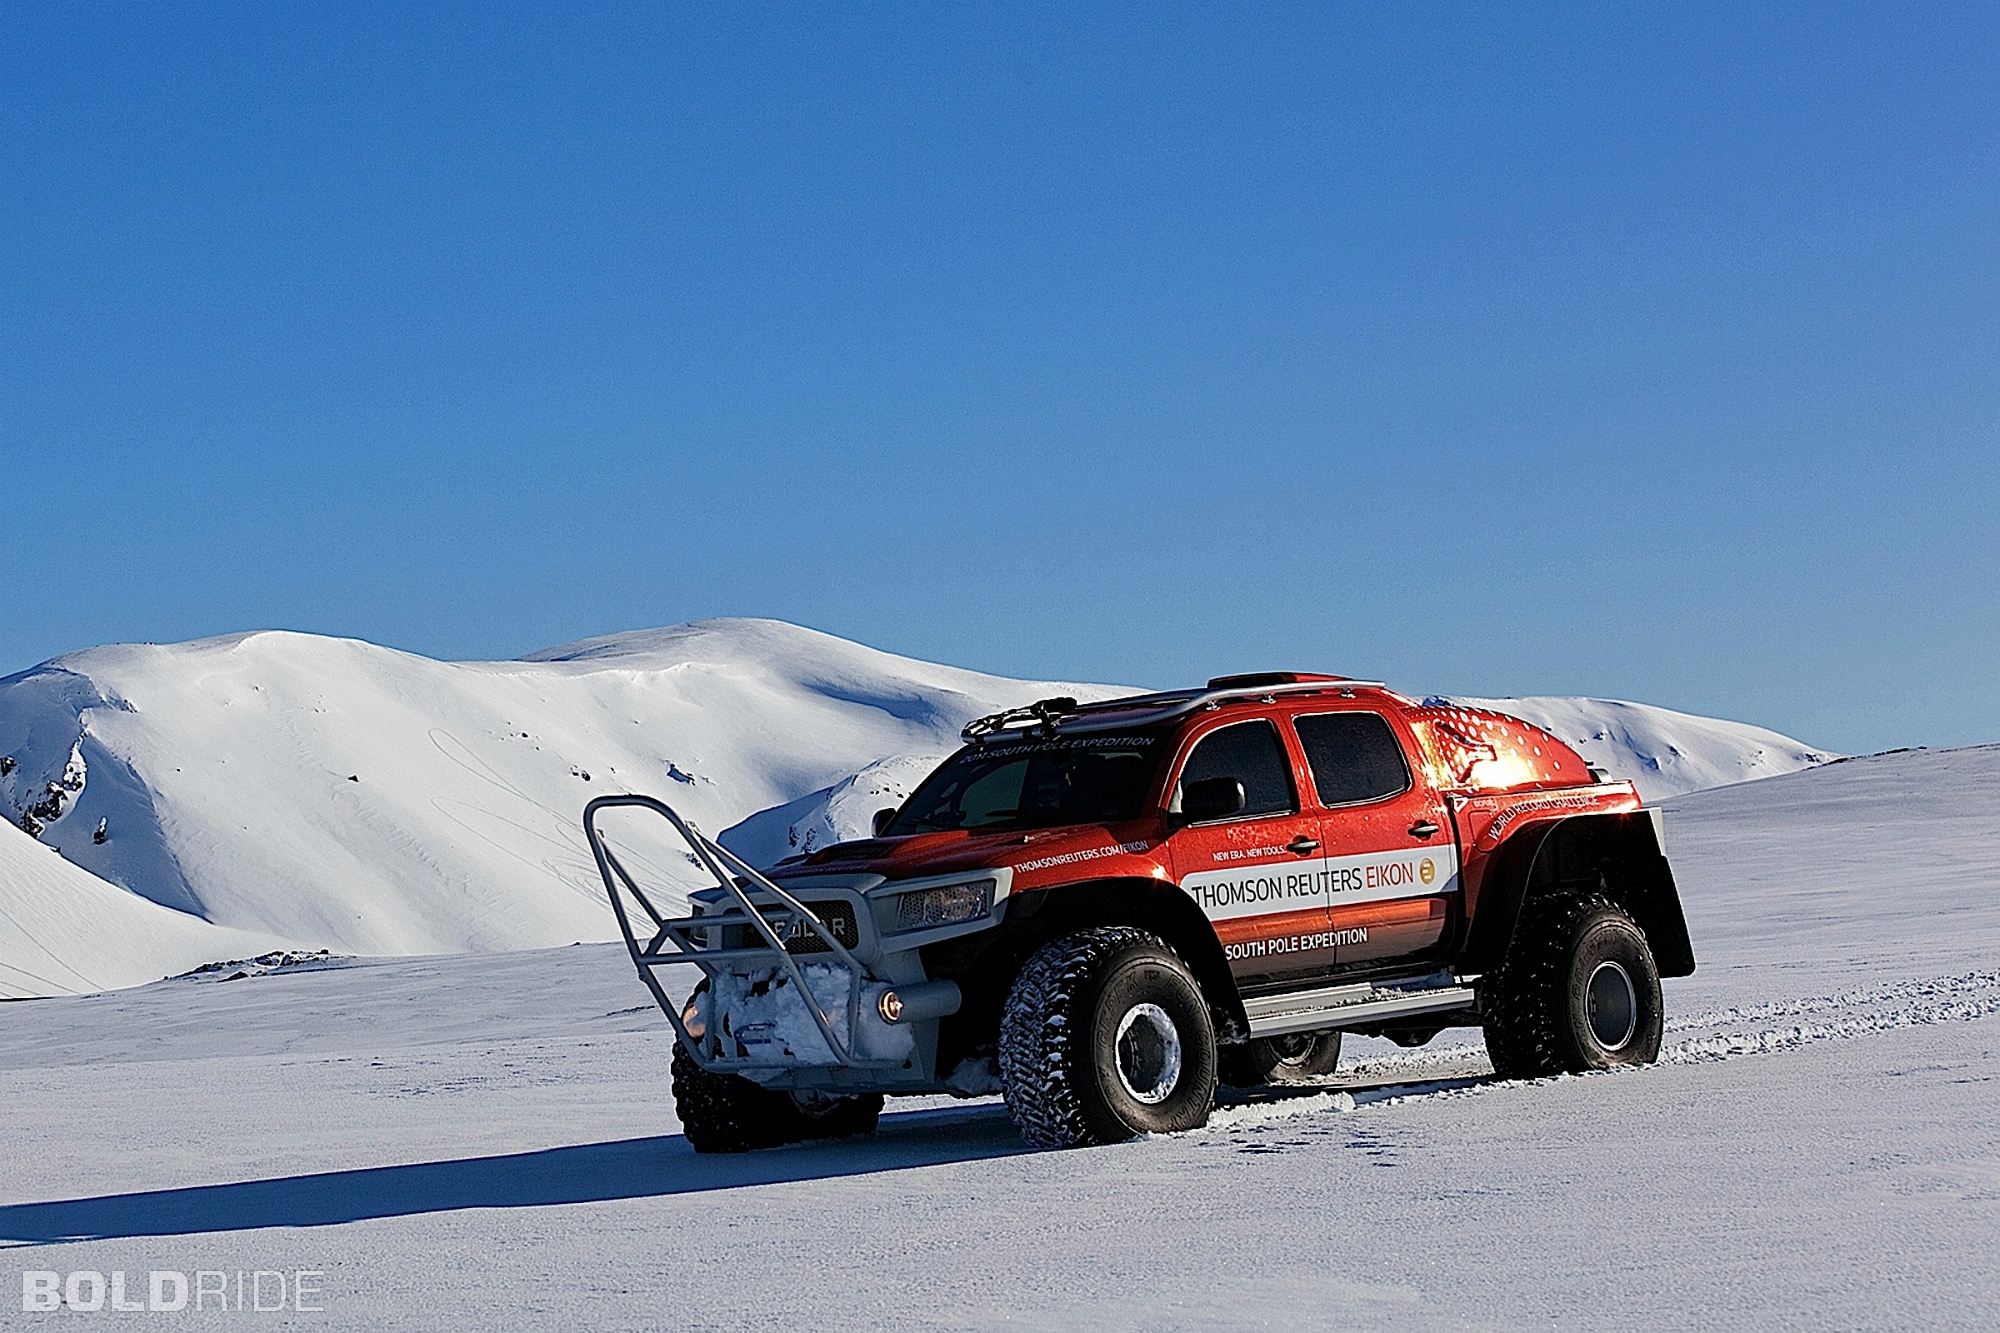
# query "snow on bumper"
(760, 1016)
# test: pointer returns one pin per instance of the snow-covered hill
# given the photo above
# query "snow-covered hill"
(328, 793)
(332, 793)
(832, 814)
(65, 931)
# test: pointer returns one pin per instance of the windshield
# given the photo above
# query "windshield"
(1035, 784)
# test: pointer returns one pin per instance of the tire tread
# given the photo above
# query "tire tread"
(727, 1113)
(1524, 1000)
(1039, 1028)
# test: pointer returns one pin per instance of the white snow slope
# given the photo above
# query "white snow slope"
(326, 793)
(488, 1141)
(64, 931)
(335, 794)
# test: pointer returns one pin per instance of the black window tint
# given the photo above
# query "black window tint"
(1250, 753)
(1354, 757)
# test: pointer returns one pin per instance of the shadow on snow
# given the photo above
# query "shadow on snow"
(583, 1173)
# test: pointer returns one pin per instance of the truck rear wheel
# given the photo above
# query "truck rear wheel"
(1106, 1035)
(729, 1113)
(1298, 1058)
(1579, 990)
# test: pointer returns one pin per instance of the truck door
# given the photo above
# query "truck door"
(1391, 859)
(1256, 874)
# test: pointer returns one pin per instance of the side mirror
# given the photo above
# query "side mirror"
(884, 818)
(1211, 798)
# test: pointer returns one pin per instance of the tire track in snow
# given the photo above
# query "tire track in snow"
(1703, 1038)
(1853, 1013)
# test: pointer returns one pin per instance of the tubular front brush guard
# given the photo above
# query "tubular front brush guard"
(720, 862)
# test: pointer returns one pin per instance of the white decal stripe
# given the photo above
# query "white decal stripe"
(1373, 877)
(1258, 890)
(1336, 881)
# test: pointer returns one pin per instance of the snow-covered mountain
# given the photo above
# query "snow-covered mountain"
(332, 793)
(315, 793)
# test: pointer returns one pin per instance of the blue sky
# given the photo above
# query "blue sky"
(1650, 352)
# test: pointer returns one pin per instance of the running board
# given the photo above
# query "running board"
(1349, 1007)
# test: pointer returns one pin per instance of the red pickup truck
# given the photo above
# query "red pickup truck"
(1102, 910)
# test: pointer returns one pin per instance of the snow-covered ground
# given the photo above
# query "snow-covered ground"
(322, 793)
(485, 1141)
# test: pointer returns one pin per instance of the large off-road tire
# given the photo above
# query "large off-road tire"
(1299, 1058)
(1106, 1035)
(729, 1113)
(1578, 990)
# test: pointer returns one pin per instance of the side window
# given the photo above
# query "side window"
(1251, 753)
(1354, 757)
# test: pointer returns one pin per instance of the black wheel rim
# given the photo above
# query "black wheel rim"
(1612, 1006)
(1293, 1048)
(1149, 1054)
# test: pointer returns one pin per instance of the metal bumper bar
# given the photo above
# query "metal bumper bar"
(686, 939)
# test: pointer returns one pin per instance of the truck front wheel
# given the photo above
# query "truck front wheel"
(1106, 1035)
(1579, 990)
(729, 1113)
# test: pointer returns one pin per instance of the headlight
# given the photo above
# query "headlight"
(946, 906)
(694, 1016)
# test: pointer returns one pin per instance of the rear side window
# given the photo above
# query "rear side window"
(1251, 753)
(1354, 757)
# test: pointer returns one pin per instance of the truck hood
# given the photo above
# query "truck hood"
(945, 853)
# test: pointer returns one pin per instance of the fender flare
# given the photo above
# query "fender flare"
(1622, 855)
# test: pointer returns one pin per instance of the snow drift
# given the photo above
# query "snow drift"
(326, 793)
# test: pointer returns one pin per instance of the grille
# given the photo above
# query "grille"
(799, 938)
(837, 916)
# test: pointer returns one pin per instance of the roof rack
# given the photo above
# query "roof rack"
(1046, 717)
(1042, 716)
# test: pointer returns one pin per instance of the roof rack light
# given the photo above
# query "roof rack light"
(1255, 679)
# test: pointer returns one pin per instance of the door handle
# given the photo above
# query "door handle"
(1423, 828)
(1302, 844)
